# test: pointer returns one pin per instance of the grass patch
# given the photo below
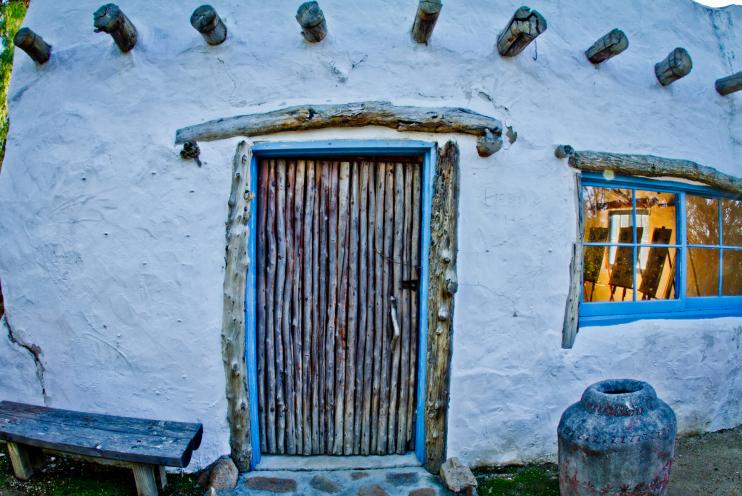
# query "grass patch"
(532, 480)
(62, 477)
(11, 16)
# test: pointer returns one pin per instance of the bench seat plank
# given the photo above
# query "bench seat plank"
(125, 439)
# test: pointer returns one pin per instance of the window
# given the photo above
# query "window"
(657, 249)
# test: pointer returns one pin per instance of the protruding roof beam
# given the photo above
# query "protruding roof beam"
(425, 19)
(676, 65)
(729, 84)
(523, 28)
(207, 22)
(33, 44)
(112, 20)
(608, 46)
(312, 22)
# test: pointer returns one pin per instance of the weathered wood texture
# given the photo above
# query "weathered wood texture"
(233, 317)
(112, 20)
(343, 258)
(652, 166)
(425, 19)
(312, 21)
(441, 289)
(570, 326)
(359, 114)
(607, 46)
(523, 28)
(126, 439)
(33, 44)
(676, 65)
(144, 477)
(729, 84)
(207, 22)
(20, 460)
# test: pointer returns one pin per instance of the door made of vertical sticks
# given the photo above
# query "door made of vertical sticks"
(337, 327)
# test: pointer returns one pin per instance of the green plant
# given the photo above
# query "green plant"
(11, 16)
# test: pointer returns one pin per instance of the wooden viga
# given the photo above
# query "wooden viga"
(112, 20)
(206, 21)
(523, 28)
(33, 44)
(425, 19)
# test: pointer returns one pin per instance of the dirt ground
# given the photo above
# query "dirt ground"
(705, 465)
(708, 465)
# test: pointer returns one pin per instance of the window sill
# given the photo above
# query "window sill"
(604, 320)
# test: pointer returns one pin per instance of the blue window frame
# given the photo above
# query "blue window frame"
(692, 274)
(307, 149)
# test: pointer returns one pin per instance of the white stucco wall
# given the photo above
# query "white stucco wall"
(112, 257)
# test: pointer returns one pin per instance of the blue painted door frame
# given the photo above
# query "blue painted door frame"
(345, 148)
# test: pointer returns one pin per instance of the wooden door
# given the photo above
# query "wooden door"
(337, 327)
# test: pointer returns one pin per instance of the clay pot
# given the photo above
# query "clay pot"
(619, 439)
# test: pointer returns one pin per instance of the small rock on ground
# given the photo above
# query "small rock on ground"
(271, 484)
(457, 477)
(223, 474)
(325, 484)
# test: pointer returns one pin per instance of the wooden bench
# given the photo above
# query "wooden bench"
(144, 446)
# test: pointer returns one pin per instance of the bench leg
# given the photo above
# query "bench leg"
(162, 479)
(21, 459)
(144, 476)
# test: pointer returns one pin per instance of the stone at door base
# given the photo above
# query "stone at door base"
(402, 478)
(211, 492)
(424, 491)
(223, 474)
(271, 484)
(358, 475)
(457, 477)
(373, 490)
(325, 484)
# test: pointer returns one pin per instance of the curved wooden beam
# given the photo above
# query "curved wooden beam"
(359, 114)
(653, 166)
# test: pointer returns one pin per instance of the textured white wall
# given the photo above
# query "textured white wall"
(112, 256)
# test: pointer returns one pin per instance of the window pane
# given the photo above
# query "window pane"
(731, 218)
(656, 279)
(607, 214)
(731, 277)
(655, 214)
(604, 280)
(703, 220)
(703, 272)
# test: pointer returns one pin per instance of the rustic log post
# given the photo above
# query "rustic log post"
(112, 20)
(33, 44)
(312, 22)
(729, 84)
(523, 28)
(425, 19)
(209, 24)
(676, 65)
(442, 268)
(608, 46)
(488, 144)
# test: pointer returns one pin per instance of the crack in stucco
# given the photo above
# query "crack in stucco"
(33, 349)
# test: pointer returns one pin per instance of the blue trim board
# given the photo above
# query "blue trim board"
(372, 148)
(250, 318)
(683, 307)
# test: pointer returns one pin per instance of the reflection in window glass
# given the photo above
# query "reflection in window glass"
(731, 218)
(703, 272)
(656, 280)
(598, 204)
(702, 220)
(731, 273)
(606, 281)
(656, 213)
